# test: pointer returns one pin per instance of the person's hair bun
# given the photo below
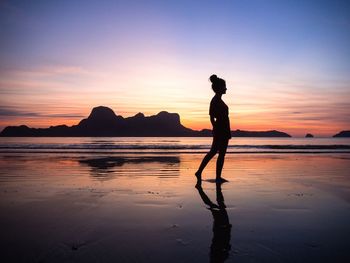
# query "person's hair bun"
(213, 78)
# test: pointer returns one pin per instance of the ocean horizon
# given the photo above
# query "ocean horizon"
(114, 145)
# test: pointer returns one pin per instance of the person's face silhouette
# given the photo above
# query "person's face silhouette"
(223, 89)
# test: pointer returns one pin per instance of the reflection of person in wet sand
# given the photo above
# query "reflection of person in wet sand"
(220, 245)
(219, 119)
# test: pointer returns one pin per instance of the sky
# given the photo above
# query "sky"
(286, 63)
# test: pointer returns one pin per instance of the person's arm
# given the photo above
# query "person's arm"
(212, 113)
(212, 120)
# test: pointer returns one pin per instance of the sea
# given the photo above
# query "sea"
(112, 199)
(135, 145)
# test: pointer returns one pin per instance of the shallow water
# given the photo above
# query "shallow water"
(145, 208)
(177, 145)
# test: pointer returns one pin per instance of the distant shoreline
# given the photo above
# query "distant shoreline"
(103, 122)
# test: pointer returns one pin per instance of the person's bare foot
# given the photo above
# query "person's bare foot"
(221, 180)
(198, 175)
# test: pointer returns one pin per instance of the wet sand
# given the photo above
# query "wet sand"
(145, 208)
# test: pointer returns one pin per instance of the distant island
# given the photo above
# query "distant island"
(102, 121)
(342, 134)
(309, 135)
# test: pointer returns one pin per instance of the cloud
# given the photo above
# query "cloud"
(11, 112)
(64, 115)
(61, 70)
(8, 112)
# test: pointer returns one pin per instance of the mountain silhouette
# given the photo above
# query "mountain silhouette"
(342, 134)
(273, 133)
(103, 121)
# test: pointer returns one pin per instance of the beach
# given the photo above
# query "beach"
(127, 207)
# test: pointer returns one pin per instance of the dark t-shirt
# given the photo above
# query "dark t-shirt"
(219, 110)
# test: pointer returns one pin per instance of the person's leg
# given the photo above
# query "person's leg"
(207, 158)
(222, 147)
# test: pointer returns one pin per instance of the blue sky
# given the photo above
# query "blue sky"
(61, 58)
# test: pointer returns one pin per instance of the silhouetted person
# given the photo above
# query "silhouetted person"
(219, 119)
(220, 244)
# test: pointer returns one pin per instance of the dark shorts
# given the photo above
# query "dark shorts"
(221, 133)
(219, 144)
